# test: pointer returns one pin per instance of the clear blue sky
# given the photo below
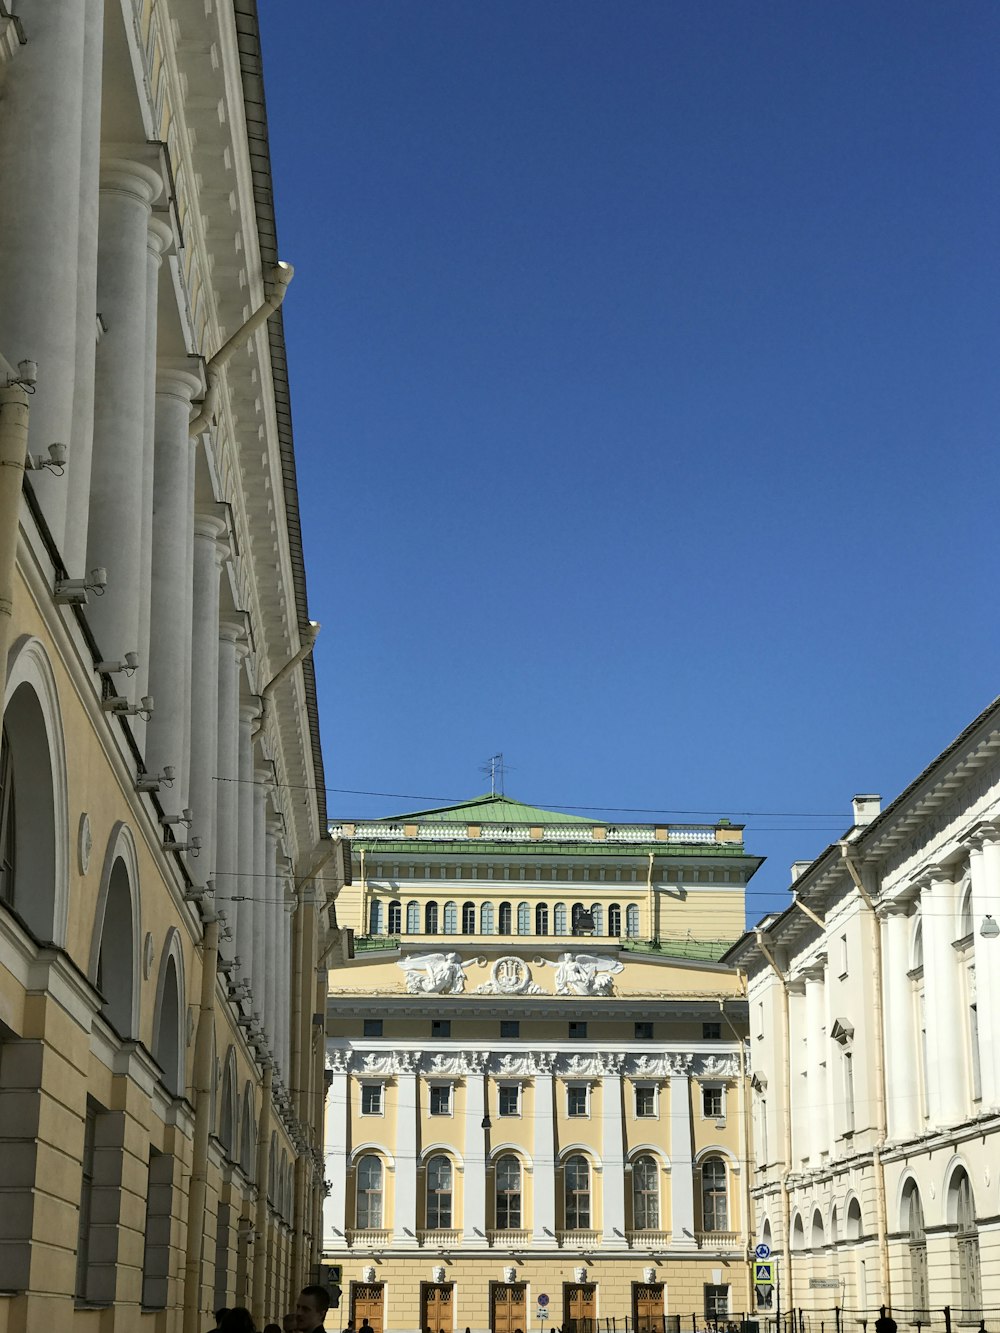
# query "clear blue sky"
(644, 360)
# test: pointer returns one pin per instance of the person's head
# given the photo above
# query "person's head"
(237, 1320)
(311, 1308)
(272, 1328)
(220, 1314)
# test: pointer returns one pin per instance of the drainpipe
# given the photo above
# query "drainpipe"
(786, 1170)
(881, 1125)
(281, 276)
(202, 1088)
(13, 452)
(265, 697)
(260, 1212)
(745, 1154)
(804, 907)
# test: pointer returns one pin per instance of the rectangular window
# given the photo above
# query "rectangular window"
(848, 1093)
(843, 957)
(645, 1101)
(711, 1032)
(373, 1027)
(644, 1032)
(440, 1099)
(577, 1098)
(156, 1241)
(712, 1105)
(441, 1027)
(510, 1027)
(371, 1098)
(977, 1076)
(509, 1099)
(716, 1301)
(578, 1031)
(86, 1201)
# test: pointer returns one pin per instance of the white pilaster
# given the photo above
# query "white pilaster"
(902, 1049)
(404, 1214)
(944, 1019)
(209, 553)
(613, 1151)
(544, 1157)
(285, 996)
(117, 522)
(266, 992)
(227, 884)
(474, 1181)
(168, 732)
(337, 1123)
(681, 1165)
(252, 885)
(985, 867)
(270, 889)
(817, 1054)
(40, 140)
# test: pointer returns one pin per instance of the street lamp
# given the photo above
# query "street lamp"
(989, 929)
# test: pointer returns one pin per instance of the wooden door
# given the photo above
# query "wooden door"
(579, 1307)
(647, 1307)
(367, 1303)
(510, 1308)
(437, 1307)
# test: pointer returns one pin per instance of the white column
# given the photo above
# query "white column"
(117, 523)
(681, 1165)
(337, 1122)
(227, 769)
(946, 1056)
(252, 887)
(474, 1180)
(77, 482)
(817, 1054)
(266, 993)
(799, 1090)
(404, 1213)
(40, 142)
(544, 1154)
(270, 888)
(984, 862)
(168, 732)
(285, 1000)
(613, 1151)
(902, 1047)
(209, 553)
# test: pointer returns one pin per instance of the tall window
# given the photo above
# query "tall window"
(6, 821)
(977, 1073)
(542, 919)
(969, 1287)
(86, 1201)
(156, 1236)
(506, 919)
(645, 1195)
(468, 918)
(438, 1194)
(560, 920)
(577, 1183)
(632, 921)
(848, 1058)
(375, 917)
(413, 918)
(615, 920)
(524, 919)
(450, 918)
(368, 1208)
(430, 918)
(917, 1246)
(575, 915)
(597, 912)
(714, 1209)
(395, 918)
(508, 1174)
(486, 922)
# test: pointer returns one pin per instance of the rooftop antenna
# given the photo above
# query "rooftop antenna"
(495, 767)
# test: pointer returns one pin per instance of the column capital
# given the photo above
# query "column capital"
(133, 180)
(249, 713)
(815, 969)
(159, 238)
(982, 835)
(264, 775)
(212, 527)
(232, 626)
(178, 380)
(901, 905)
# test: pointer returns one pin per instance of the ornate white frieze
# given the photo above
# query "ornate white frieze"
(529, 1063)
(338, 1061)
(509, 975)
(612, 1062)
(651, 1066)
(586, 974)
(514, 1066)
(452, 1063)
(381, 1063)
(718, 1066)
(476, 1062)
(434, 974)
(581, 1065)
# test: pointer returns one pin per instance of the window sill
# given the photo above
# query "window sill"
(92, 1305)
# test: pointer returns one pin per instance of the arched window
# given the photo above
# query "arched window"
(468, 918)
(368, 1208)
(913, 1220)
(438, 1194)
(506, 919)
(577, 1193)
(615, 920)
(395, 918)
(645, 1195)
(597, 912)
(816, 1240)
(714, 1203)
(248, 1133)
(486, 923)
(116, 962)
(963, 1209)
(798, 1234)
(451, 918)
(7, 823)
(523, 919)
(413, 918)
(542, 919)
(375, 917)
(508, 1177)
(560, 923)
(227, 1115)
(430, 918)
(167, 1046)
(632, 921)
(576, 913)
(854, 1226)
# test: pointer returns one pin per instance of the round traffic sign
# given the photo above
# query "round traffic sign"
(763, 1251)
(543, 1299)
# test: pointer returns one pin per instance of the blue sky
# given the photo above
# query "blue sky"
(644, 368)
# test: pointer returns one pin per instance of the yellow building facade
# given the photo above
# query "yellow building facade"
(535, 1111)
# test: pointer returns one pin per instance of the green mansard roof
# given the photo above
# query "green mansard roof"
(495, 810)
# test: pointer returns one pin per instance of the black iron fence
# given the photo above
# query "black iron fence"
(836, 1319)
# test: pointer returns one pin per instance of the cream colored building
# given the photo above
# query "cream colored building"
(875, 1046)
(161, 811)
(528, 1124)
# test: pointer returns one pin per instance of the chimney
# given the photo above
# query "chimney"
(866, 808)
(799, 868)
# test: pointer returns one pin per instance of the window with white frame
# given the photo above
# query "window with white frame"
(716, 1301)
(843, 957)
(368, 1197)
(372, 1098)
(509, 1099)
(645, 1101)
(713, 1101)
(578, 1099)
(440, 1099)
(645, 1194)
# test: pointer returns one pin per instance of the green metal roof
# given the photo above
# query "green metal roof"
(495, 810)
(475, 850)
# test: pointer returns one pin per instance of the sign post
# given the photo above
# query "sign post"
(542, 1313)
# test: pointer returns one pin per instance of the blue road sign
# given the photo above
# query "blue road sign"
(763, 1251)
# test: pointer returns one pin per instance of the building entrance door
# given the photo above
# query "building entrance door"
(647, 1307)
(437, 1307)
(509, 1308)
(367, 1303)
(579, 1307)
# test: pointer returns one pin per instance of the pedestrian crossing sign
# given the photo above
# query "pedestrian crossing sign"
(763, 1273)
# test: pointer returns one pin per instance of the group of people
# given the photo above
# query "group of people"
(307, 1317)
